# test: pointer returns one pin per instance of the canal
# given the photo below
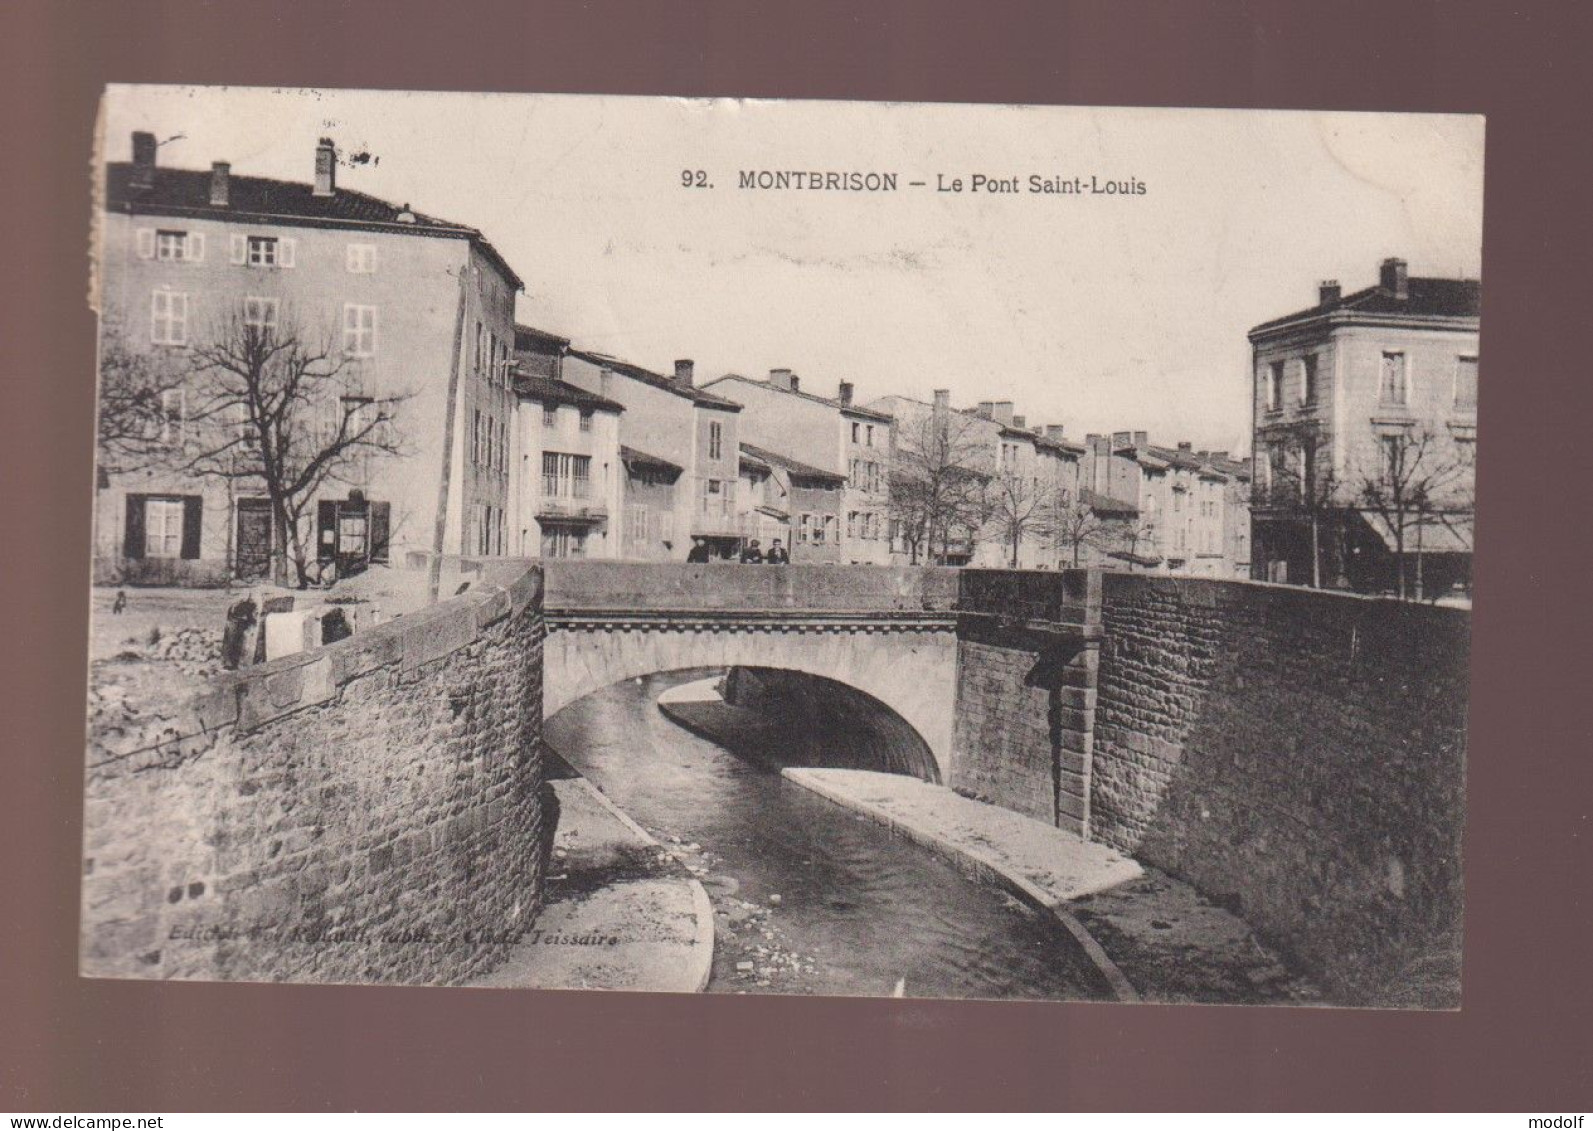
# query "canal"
(809, 898)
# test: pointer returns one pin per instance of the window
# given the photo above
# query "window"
(803, 525)
(1273, 381)
(263, 251)
(870, 436)
(171, 245)
(586, 422)
(260, 314)
(362, 259)
(636, 522)
(856, 428)
(715, 498)
(492, 356)
(173, 415)
(716, 440)
(851, 521)
(359, 330)
(563, 542)
(359, 414)
(169, 318)
(550, 416)
(1466, 383)
(566, 476)
(481, 338)
(1308, 379)
(1395, 388)
(163, 528)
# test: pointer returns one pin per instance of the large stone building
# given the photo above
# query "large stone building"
(679, 448)
(568, 485)
(832, 435)
(409, 321)
(1365, 427)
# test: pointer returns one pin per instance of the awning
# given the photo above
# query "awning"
(1427, 534)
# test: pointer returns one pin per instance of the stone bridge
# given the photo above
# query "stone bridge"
(890, 633)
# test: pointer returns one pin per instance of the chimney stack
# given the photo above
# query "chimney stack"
(143, 159)
(942, 399)
(325, 168)
(1142, 439)
(1019, 423)
(1186, 446)
(987, 409)
(1053, 431)
(686, 372)
(1328, 292)
(843, 393)
(782, 379)
(1395, 278)
(220, 184)
(1004, 412)
(605, 382)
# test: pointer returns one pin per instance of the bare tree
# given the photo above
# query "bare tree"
(1421, 480)
(1302, 487)
(1017, 507)
(138, 404)
(1074, 525)
(937, 483)
(269, 404)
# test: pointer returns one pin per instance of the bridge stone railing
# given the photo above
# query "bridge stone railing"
(638, 587)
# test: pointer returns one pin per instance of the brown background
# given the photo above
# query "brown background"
(1522, 1042)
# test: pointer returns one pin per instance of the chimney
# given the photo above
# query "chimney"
(1142, 439)
(1395, 278)
(783, 379)
(143, 159)
(843, 392)
(1019, 423)
(220, 177)
(942, 399)
(1004, 412)
(987, 409)
(685, 372)
(1053, 432)
(1328, 292)
(325, 168)
(1185, 446)
(605, 382)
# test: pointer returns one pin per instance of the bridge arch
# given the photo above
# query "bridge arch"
(910, 668)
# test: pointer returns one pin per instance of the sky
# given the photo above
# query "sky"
(1098, 312)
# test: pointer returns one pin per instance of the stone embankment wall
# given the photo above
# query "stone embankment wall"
(1297, 754)
(370, 811)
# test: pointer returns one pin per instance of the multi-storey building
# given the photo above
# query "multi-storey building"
(680, 455)
(410, 320)
(832, 435)
(1365, 425)
(795, 502)
(567, 488)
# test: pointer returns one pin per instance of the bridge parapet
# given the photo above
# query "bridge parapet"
(653, 587)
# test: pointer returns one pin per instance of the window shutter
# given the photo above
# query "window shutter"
(240, 249)
(193, 507)
(286, 250)
(196, 246)
(326, 529)
(146, 243)
(381, 527)
(133, 546)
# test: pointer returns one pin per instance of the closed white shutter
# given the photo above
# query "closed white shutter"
(240, 249)
(196, 246)
(286, 251)
(146, 243)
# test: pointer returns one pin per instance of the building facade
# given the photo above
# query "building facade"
(832, 435)
(1365, 428)
(396, 325)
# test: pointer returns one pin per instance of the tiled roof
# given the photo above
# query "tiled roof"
(637, 458)
(1105, 504)
(1433, 298)
(186, 192)
(546, 390)
(795, 467)
(854, 409)
(530, 338)
(657, 380)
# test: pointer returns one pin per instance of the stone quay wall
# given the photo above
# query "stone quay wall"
(1295, 754)
(370, 811)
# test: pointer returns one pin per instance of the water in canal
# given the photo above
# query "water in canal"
(858, 911)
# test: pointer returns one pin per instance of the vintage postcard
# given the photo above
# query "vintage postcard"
(781, 547)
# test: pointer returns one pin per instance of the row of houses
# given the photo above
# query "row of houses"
(297, 374)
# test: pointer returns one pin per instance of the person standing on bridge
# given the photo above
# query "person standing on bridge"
(751, 554)
(777, 554)
(698, 552)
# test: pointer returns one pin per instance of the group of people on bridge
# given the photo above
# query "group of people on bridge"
(751, 553)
